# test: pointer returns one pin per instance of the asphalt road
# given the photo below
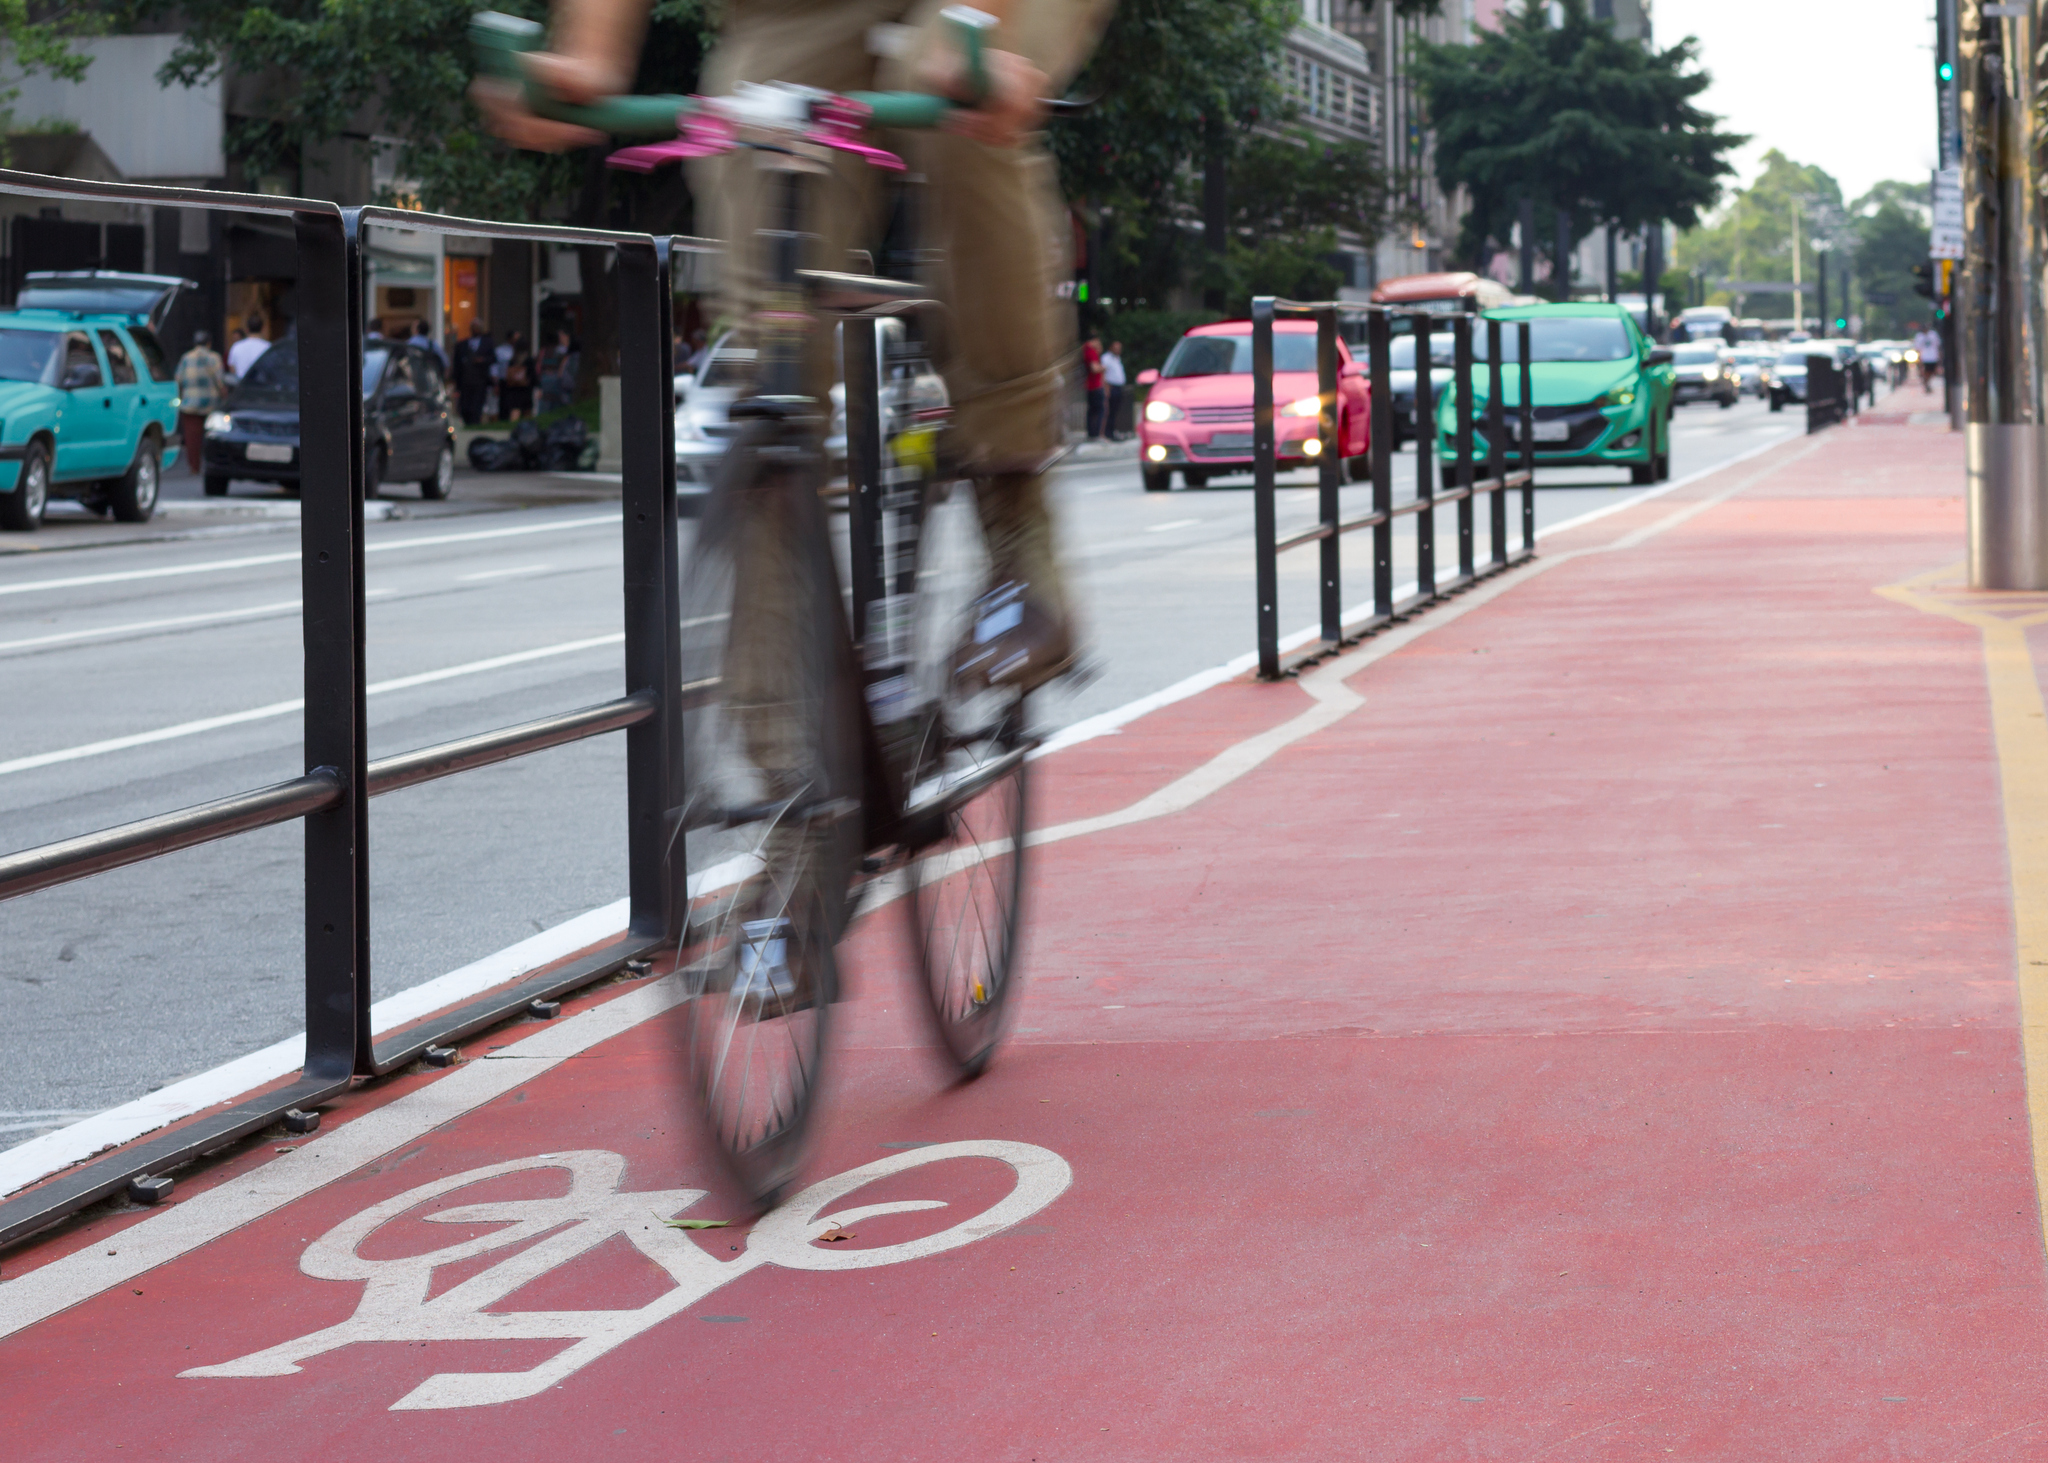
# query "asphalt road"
(184, 656)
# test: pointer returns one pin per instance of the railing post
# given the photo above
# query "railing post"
(1330, 477)
(1496, 449)
(1263, 530)
(1425, 459)
(1528, 405)
(647, 498)
(863, 467)
(1461, 369)
(1379, 361)
(330, 326)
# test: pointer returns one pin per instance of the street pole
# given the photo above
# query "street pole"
(1798, 294)
(1608, 227)
(1999, 308)
(1821, 257)
(1562, 253)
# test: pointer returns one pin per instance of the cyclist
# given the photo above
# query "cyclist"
(992, 218)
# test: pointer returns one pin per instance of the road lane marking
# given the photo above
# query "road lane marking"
(1177, 523)
(285, 708)
(2019, 731)
(505, 573)
(168, 571)
(140, 627)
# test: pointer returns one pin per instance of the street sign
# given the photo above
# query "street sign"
(1945, 240)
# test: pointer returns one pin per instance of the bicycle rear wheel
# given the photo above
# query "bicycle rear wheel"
(968, 805)
(770, 821)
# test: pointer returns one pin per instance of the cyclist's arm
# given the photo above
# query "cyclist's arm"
(1010, 108)
(597, 49)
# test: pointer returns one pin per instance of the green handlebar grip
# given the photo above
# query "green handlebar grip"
(903, 108)
(500, 40)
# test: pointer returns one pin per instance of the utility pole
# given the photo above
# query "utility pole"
(1798, 294)
(1999, 309)
(1608, 228)
(1820, 252)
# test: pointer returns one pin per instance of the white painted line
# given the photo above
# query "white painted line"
(143, 627)
(1177, 523)
(505, 573)
(285, 708)
(126, 576)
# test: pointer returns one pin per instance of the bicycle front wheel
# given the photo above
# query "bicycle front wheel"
(770, 820)
(969, 804)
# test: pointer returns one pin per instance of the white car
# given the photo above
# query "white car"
(911, 388)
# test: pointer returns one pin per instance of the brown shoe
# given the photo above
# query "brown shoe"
(1012, 642)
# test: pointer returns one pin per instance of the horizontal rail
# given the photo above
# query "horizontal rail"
(1414, 505)
(409, 769)
(131, 843)
(62, 862)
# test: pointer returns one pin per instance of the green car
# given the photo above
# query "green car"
(1602, 390)
(88, 406)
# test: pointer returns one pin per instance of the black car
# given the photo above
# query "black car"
(408, 434)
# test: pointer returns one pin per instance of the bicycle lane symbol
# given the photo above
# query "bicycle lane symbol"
(395, 1304)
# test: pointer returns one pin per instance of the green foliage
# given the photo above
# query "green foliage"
(341, 69)
(1148, 335)
(39, 42)
(1288, 197)
(1890, 240)
(1574, 118)
(1751, 237)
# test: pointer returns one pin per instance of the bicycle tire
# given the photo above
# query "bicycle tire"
(769, 818)
(966, 875)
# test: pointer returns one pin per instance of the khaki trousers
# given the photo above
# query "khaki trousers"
(991, 221)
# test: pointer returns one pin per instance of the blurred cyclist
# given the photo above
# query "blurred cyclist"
(992, 221)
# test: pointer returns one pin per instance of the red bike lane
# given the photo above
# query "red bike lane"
(1579, 1025)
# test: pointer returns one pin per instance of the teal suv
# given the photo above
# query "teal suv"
(88, 406)
(1601, 389)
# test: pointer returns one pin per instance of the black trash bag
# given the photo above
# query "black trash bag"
(565, 443)
(531, 446)
(494, 454)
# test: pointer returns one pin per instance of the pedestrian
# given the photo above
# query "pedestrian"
(551, 366)
(474, 359)
(375, 329)
(247, 351)
(1091, 366)
(1113, 385)
(202, 387)
(515, 386)
(700, 351)
(1928, 344)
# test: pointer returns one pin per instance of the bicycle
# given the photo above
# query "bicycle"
(861, 755)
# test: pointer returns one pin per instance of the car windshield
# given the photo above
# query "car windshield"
(1694, 355)
(1563, 338)
(1402, 356)
(1231, 355)
(25, 354)
(1745, 358)
(728, 368)
(274, 378)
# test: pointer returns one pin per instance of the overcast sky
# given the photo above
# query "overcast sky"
(1847, 87)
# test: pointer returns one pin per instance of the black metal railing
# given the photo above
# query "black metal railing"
(333, 794)
(1331, 526)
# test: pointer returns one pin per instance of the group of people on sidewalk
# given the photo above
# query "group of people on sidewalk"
(204, 380)
(1104, 381)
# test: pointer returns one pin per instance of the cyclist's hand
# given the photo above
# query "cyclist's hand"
(571, 78)
(1009, 112)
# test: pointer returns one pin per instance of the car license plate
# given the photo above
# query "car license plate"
(1553, 431)
(1231, 439)
(283, 451)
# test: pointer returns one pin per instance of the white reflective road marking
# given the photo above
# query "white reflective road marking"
(213, 566)
(1177, 523)
(285, 708)
(505, 573)
(145, 627)
(395, 1304)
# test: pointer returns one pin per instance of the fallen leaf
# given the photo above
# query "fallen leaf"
(695, 1223)
(834, 1236)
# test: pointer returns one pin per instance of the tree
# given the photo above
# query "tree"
(1574, 118)
(1890, 240)
(1289, 196)
(1751, 237)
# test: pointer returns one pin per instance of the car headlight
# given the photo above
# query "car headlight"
(1713, 373)
(1619, 396)
(686, 427)
(1308, 406)
(1163, 411)
(219, 421)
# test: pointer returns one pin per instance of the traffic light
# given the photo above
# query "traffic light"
(1841, 322)
(1923, 279)
(1946, 72)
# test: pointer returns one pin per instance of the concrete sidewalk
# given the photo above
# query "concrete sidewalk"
(1580, 1024)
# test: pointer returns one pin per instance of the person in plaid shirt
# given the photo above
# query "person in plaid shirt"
(202, 386)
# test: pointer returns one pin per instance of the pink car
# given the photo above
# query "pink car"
(1198, 417)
